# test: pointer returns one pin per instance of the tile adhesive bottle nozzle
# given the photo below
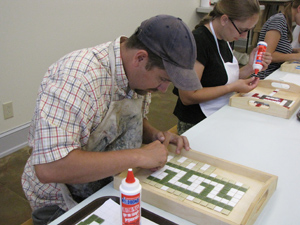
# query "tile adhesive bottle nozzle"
(257, 65)
(130, 189)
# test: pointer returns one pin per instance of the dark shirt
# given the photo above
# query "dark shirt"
(214, 73)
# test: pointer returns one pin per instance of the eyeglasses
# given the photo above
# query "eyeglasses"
(240, 32)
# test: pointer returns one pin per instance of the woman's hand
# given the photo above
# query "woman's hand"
(266, 59)
(244, 85)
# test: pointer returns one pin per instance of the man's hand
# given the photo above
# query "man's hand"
(155, 155)
(171, 138)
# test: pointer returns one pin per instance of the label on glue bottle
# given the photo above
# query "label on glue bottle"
(257, 65)
(130, 189)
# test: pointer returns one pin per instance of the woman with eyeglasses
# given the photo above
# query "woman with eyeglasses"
(216, 66)
(278, 33)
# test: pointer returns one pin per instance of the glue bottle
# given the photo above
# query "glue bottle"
(130, 189)
(257, 65)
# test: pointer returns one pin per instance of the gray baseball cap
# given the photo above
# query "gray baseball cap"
(171, 39)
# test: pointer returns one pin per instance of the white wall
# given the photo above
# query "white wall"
(34, 34)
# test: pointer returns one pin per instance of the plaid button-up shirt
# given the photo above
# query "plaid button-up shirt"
(73, 99)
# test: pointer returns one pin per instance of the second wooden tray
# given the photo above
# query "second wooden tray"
(270, 97)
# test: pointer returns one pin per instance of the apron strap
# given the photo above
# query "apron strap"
(112, 61)
(217, 43)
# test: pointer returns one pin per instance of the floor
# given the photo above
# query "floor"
(14, 207)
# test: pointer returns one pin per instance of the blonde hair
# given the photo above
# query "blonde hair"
(287, 12)
(235, 9)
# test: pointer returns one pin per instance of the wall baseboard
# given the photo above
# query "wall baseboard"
(13, 140)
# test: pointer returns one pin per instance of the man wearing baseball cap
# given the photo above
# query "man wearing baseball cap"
(90, 117)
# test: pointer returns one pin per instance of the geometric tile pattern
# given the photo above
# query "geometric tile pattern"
(191, 180)
(92, 219)
(280, 101)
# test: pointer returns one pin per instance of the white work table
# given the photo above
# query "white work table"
(263, 142)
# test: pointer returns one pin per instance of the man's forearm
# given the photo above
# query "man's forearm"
(83, 167)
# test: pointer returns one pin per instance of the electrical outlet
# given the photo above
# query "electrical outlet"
(8, 110)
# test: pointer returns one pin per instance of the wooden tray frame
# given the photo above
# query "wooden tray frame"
(266, 87)
(201, 215)
(291, 66)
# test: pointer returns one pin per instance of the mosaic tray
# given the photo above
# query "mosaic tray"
(276, 98)
(206, 190)
(290, 66)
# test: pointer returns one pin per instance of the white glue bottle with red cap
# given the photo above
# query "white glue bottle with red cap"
(130, 189)
(257, 65)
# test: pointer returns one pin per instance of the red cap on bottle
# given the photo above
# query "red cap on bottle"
(256, 71)
(130, 177)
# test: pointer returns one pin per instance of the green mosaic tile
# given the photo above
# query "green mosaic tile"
(188, 192)
(150, 178)
(243, 189)
(91, 219)
(228, 207)
(221, 195)
(173, 186)
(222, 205)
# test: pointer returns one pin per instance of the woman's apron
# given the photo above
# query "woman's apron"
(232, 70)
(121, 128)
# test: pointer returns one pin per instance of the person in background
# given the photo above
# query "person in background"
(277, 32)
(216, 66)
(90, 117)
(296, 37)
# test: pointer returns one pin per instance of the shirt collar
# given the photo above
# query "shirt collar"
(120, 76)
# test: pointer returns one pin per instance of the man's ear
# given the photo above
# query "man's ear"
(140, 57)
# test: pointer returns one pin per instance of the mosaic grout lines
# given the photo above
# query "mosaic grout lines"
(195, 181)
